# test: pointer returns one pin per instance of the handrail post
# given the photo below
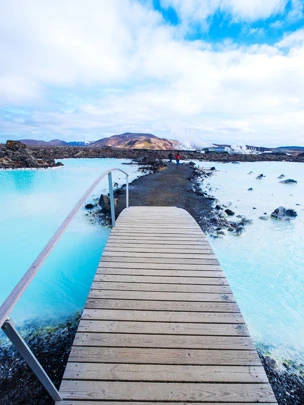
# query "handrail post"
(9, 329)
(127, 191)
(111, 199)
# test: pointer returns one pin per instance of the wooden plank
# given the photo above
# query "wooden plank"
(164, 372)
(141, 391)
(77, 402)
(175, 241)
(131, 355)
(161, 266)
(161, 296)
(127, 272)
(163, 341)
(159, 328)
(189, 306)
(158, 279)
(158, 244)
(152, 255)
(182, 249)
(187, 288)
(161, 260)
(164, 316)
(159, 234)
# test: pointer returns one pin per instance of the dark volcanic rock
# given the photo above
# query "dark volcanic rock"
(68, 152)
(16, 155)
(286, 379)
(51, 344)
(289, 181)
(283, 213)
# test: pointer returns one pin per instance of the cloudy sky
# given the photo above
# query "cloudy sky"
(200, 71)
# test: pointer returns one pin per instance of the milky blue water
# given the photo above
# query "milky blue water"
(265, 265)
(33, 204)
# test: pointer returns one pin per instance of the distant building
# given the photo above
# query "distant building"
(217, 149)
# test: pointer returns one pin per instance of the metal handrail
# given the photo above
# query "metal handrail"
(8, 305)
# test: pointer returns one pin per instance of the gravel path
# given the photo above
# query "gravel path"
(171, 186)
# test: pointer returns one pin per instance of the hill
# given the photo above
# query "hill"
(127, 140)
(34, 142)
(53, 142)
(130, 140)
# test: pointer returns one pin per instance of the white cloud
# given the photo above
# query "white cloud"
(59, 43)
(297, 10)
(293, 40)
(247, 10)
(192, 9)
(253, 10)
(139, 76)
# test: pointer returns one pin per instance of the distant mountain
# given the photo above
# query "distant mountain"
(291, 148)
(130, 140)
(54, 142)
(34, 142)
(127, 140)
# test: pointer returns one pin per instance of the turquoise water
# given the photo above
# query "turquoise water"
(33, 204)
(265, 265)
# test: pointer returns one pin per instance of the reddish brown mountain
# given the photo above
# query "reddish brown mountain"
(136, 141)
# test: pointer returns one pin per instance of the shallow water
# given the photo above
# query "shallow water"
(265, 265)
(33, 204)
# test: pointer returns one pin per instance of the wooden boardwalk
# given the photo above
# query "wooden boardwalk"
(161, 324)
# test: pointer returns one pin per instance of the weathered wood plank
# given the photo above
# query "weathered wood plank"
(77, 402)
(177, 256)
(163, 316)
(160, 328)
(191, 232)
(161, 260)
(161, 296)
(164, 372)
(158, 279)
(173, 240)
(161, 266)
(131, 355)
(217, 274)
(146, 248)
(141, 391)
(163, 341)
(189, 306)
(159, 243)
(187, 288)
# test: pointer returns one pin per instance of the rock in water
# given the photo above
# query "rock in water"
(289, 181)
(283, 213)
(15, 155)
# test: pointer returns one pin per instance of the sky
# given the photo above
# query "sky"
(198, 71)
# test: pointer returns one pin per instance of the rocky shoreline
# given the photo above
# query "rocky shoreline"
(51, 343)
(15, 154)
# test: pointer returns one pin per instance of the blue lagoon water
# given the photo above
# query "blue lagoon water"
(265, 265)
(33, 204)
